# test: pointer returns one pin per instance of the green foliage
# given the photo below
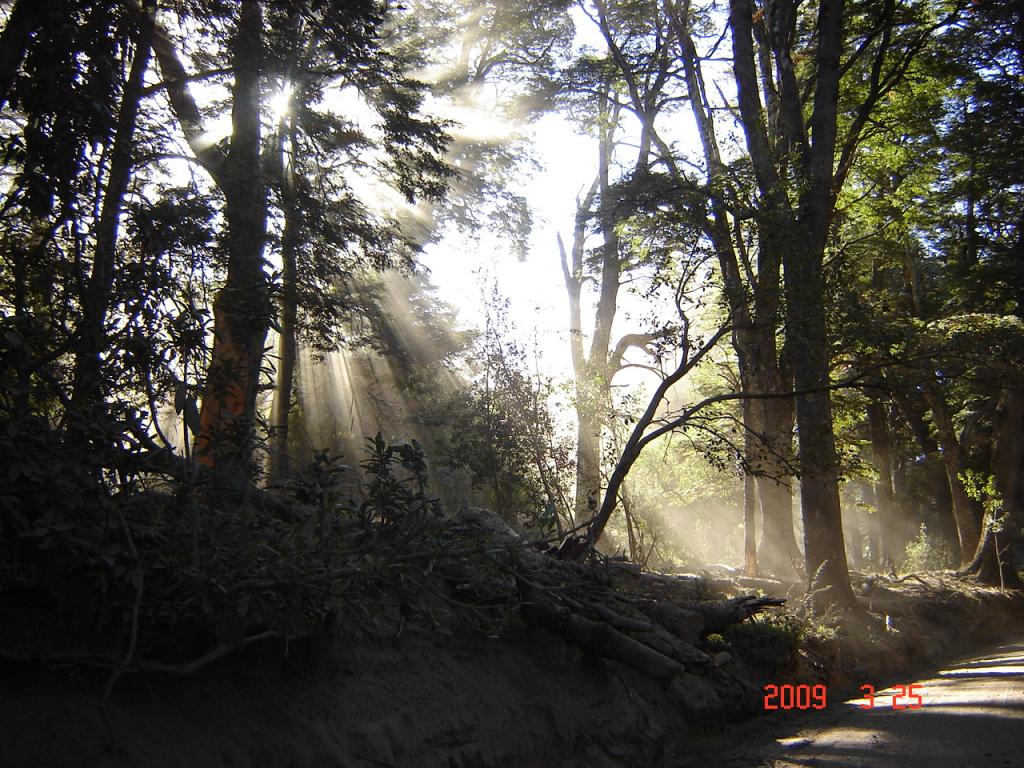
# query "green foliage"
(389, 498)
(87, 567)
(502, 429)
(982, 488)
(769, 647)
(926, 553)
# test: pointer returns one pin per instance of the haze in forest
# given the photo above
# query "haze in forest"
(687, 283)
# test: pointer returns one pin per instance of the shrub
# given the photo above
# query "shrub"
(927, 553)
(769, 647)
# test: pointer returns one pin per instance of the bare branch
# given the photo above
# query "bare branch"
(184, 105)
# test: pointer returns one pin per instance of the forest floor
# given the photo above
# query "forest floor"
(511, 659)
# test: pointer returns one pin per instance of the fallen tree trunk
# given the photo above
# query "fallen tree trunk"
(598, 637)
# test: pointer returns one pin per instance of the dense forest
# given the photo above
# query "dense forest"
(235, 409)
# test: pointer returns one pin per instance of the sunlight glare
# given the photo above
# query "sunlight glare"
(280, 102)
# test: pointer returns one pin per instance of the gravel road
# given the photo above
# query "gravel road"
(970, 715)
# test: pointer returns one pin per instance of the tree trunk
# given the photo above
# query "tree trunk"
(800, 236)
(593, 373)
(904, 504)
(635, 554)
(242, 307)
(588, 461)
(749, 525)
(873, 529)
(755, 312)
(780, 554)
(26, 19)
(750, 500)
(88, 389)
(824, 549)
(279, 464)
(996, 560)
(965, 510)
(885, 500)
(1008, 453)
(806, 336)
(853, 528)
(776, 414)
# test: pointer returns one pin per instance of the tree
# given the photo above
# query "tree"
(242, 309)
(929, 214)
(593, 369)
(801, 152)
(983, 229)
(329, 231)
(347, 47)
(634, 79)
(753, 292)
(88, 390)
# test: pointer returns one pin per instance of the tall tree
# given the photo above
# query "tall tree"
(801, 152)
(346, 49)
(611, 199)
(753, 291)
(88, 390)
(242, 308)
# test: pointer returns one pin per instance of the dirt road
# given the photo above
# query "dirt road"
(970, 715)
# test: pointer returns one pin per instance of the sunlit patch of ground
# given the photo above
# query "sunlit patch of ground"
(970, 714)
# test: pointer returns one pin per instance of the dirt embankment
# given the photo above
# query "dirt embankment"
(598, 670)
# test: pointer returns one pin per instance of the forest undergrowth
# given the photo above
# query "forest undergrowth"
(158, 578)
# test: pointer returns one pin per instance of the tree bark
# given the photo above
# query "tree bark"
(965, 509)
(88, 390)
(853, 530)
(279, 464)
(588, 460)
(773, 375)
(1008, 453)
(873, 532)
(750, 504)
(242, 307)
(885, 499)
(819, 481)
(780, 554)
(26, 19)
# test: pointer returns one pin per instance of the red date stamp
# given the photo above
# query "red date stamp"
(816, 697)
(795, 697)
(907, 693)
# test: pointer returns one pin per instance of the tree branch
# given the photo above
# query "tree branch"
(185, 107)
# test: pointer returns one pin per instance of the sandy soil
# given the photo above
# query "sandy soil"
(971, 716)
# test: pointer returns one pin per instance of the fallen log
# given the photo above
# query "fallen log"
(719, 615)
(685, 624)
(598, 637)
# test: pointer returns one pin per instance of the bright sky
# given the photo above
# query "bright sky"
(463, 269)
(538, 303)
